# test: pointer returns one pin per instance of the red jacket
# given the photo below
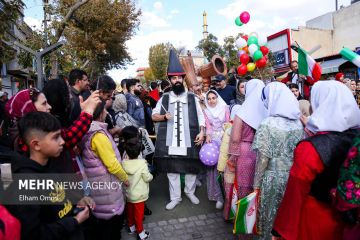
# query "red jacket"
(307, 84)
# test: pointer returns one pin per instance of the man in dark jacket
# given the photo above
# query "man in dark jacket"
(226, 92)
(79, 83)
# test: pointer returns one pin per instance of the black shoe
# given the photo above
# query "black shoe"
(146, 237)
(147, 211)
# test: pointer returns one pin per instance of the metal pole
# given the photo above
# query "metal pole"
(39, 56)
(39, 71)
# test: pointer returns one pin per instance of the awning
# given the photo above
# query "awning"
(331, 65)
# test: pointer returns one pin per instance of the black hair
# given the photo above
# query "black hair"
(99, 109)
(76, 74)
(165, 85)
(131, 82)
(132, 141)
(293, 61)
(37, 122)
(293, 85)
(241, 80)
(213, 92)
(153, 85)
(58, 96)
(34, 94)
(123, 83)
(104, 83)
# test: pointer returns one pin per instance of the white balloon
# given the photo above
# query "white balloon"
(240, 43)
(262, 40)
(253, 48)
(254, 34)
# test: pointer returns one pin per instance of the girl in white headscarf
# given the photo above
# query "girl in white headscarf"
(216, 115)
(307, 210)
(242, 158)
(274, 143)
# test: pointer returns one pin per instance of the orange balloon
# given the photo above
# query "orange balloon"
(246, 49)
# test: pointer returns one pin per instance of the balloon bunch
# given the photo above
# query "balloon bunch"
(252, 52)
(244, 18)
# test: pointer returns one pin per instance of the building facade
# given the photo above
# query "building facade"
(13, 75)
(323, 37)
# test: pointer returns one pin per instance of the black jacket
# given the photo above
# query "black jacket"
(42, 221)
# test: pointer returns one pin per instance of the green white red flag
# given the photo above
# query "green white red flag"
(245, 221)
(234, 201)
(307, 65)
(350, 56)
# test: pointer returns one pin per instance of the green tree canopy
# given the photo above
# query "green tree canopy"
(230, 52)
(95, 31)
(9, 13)
(159, 59)
(98, 31)
(209, 46)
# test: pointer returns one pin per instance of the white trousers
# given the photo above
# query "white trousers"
(175, 185)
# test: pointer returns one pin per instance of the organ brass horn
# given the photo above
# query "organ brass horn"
(215, 67)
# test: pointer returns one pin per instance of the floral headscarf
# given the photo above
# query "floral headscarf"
(22, 103)
(348, 187)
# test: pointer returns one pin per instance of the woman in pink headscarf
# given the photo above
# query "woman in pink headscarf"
(25, 101)
(216, 115)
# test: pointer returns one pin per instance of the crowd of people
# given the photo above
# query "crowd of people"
(287, 141)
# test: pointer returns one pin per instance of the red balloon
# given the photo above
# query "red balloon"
(244, 59)
(261, 62)
(242, 69)
(246, 37)
(264, 50)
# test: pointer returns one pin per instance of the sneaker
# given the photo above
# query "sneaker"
(193, 198)
(219, 205)
(131, 230)
(172, 204)
(147, 211)
(143, 235)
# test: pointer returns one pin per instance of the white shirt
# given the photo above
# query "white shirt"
(200, 114)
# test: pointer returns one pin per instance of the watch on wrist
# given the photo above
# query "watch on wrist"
(165, 117)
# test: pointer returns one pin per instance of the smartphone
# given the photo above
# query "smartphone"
(77, 210)
(97, 84)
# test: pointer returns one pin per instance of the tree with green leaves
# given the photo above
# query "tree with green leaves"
(230, 52)
(159, 59)
(9, 14)
(209, 46)
(95, 32)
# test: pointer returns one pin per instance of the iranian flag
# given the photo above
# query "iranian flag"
(350, 56)
(245, 221)
(307, 65)
(234, 201)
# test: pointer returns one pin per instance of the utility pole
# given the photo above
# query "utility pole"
(336, 5)
(46, 20)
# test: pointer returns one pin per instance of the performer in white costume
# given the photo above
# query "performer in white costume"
(179, 136)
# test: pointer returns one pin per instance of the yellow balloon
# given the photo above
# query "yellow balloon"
(251, 67)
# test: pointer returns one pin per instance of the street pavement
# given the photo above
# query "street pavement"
(187, 221)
